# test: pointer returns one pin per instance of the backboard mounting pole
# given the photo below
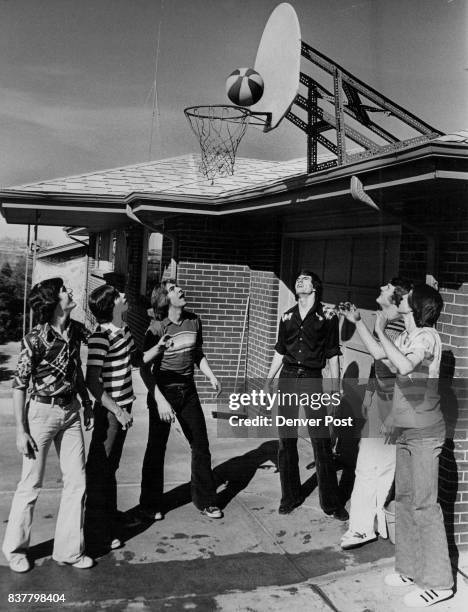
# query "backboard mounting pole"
(350, 98)
(339, 116)
(312, 130)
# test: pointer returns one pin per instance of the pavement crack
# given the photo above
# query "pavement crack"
(301, 574)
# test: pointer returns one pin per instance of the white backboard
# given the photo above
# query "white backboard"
(278, 62)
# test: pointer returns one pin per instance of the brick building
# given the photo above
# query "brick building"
(236, 245)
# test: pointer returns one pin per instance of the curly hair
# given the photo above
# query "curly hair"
(101, 303)
(44, 298)
(426, 304)
(160, 299)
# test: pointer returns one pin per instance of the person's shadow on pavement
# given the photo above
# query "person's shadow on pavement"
(236, 473)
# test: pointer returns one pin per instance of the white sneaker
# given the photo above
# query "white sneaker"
(423, 598)
(83, 562)
(398, 580)
(115, 543)
(20, 565)
(212, 512)
(354, 539)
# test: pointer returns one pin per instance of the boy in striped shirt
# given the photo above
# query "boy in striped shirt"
(109, 378)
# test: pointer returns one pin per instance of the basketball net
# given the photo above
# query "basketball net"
(219, 130)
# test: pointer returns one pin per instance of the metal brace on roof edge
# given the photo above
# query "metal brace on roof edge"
(346, 98)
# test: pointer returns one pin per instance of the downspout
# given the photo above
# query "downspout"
(157, 228)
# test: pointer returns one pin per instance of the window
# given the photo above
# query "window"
(104, 251)
(151, 263)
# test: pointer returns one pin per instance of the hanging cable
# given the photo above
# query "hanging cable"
(155, 113)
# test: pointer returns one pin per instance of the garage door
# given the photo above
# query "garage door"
(352, 266)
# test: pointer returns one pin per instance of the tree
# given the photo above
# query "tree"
(11, 300)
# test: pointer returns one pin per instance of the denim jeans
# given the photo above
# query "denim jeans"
(103, 462)
(62, 426)
(421, 542)
(300, 380)
(183, 398)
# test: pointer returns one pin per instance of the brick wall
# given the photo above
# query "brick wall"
(413, 255)
(221, 263)
(265, 257)
(137, 316)
(447, 222)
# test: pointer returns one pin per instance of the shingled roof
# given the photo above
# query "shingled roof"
(175, 176)
(176, 186)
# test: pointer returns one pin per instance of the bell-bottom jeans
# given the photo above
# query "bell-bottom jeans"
(183, 398)
(421, 542)
(61, 425)
(301, 380)
(103, 462)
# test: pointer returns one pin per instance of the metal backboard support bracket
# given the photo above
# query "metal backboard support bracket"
(346, 102)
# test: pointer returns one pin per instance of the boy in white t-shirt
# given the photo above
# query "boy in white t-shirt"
(421, 552)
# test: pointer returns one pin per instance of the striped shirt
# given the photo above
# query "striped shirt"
(383, 377)
(186, 349)
(110, 348)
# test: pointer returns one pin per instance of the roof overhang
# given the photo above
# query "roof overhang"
(394, 178)
(62, 210)
(424, 172)
(63, 248)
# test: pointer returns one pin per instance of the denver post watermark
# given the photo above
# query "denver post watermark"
(353, 408)
(272, 408)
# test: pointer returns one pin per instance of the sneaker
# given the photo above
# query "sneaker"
(341, 514)
(115, 543)
(354, 539)
(397, 580)
(83, 562)
(212, 512)
(288, 508)
(150, 515)
(139, 517)
(20, 565)
(423, 598)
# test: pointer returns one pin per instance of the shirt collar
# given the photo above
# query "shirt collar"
(316, 309)
(168, 321)
(112, 329)
(49, 333)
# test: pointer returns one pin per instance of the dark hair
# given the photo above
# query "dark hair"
(160, 300)
(44, 297)
(426, 304)
(101, 303)
(316, 282)
(402, 287)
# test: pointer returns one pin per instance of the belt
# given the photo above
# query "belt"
(301, 368)
(55, 400)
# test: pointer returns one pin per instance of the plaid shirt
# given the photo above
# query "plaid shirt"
(48, 363)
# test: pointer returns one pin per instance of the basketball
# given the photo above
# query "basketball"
(244, 87)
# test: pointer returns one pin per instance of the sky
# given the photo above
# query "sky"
(77, 76)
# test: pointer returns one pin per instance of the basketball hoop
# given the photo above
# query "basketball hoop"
(219, 129)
